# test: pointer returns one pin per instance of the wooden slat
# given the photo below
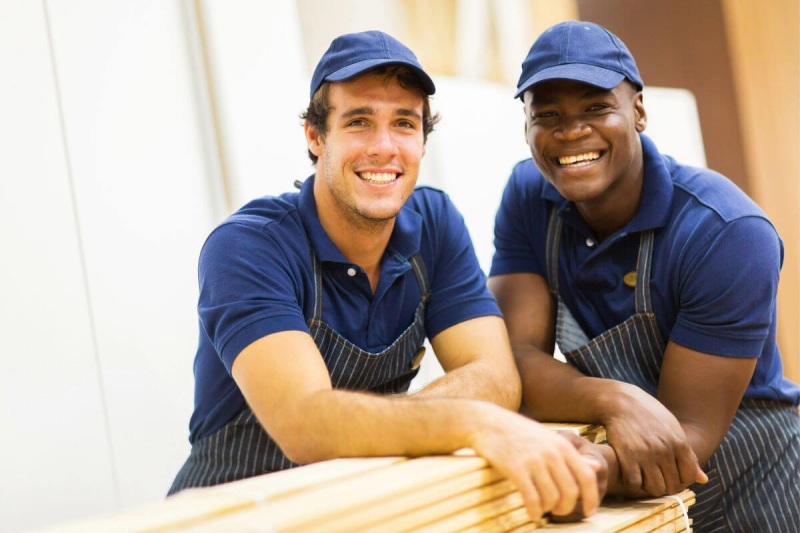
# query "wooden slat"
(339, 499)
(591, 432)
(433, 513)
(288, 482)
(476, 514)
(617, 515)
(514, 520)
(409, 504)
(194, 506)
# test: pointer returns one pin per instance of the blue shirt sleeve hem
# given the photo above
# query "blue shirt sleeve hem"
(461, 311)
(716, 345)
(256, 330)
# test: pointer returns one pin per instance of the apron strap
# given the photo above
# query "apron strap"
(317, 316)
(554, 227)
(644, 264)
(418, 266)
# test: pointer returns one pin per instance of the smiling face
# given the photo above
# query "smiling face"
(369, 158)
(585, 141)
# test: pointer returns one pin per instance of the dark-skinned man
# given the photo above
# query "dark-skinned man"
(658, 283)
(314, 307)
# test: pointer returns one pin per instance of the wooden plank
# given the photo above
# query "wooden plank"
(476, 514)
(332, 500)
(591, 432)
(195, 506)
(423, 517)
(616, 515)
(289, 482)
(515, 520)
(409, 504)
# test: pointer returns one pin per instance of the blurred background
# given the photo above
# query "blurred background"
(129, 129)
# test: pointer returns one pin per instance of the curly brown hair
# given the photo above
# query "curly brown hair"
(318, 108)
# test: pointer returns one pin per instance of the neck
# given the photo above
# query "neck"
(361, 241)
(610, 214)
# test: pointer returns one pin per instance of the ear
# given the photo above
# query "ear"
(640, 114)
(313, 139)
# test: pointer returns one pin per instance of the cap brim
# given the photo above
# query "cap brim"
(350, 71)
(589, 74)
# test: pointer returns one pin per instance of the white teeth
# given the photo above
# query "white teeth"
(379, 177)
(580, 158)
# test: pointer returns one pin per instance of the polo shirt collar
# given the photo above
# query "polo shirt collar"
(405, 239)
(657, 191)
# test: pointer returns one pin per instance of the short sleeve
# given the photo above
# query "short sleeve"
(458, 285)
(249, 288)
(728, 289)
(520, 226)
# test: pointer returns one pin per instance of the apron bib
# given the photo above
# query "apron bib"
(242, 449)
(754, 481)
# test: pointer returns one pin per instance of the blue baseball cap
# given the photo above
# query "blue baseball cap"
(351, 54)
(580, 51)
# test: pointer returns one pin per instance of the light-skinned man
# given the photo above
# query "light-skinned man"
(314, 307)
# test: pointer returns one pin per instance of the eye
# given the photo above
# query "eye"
(597, 107)
(543, 115)
(406, 124)
(356, 123)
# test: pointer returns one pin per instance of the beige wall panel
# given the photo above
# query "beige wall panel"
(549, 12)
(764, 41)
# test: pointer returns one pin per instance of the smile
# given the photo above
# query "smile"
(579, 160)
(378, 177)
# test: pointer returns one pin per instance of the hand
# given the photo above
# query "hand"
(594, 453)
(654, 455)
(545, 467)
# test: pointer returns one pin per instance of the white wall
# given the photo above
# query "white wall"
(113, 165)
(105, 203)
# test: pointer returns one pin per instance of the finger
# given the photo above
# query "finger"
(530, 496)
(585, 475)
(653, 480)
(700, 476)
(688, 467)
(564, 485)
(631, 472)
(670, 474)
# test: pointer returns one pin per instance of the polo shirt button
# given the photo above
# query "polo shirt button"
(351, 272)
(589, 243)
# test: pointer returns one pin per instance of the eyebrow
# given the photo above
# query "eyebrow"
(366, 110)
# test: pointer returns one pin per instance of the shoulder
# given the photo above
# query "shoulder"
(712, 191)
(261, 228)
(708, 207)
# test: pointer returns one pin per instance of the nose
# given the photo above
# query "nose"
(571, 129)
(382, 143)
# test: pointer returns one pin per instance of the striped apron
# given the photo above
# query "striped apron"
(242, 448)
(754, 475)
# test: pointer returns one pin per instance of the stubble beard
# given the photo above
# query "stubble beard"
(354, 217)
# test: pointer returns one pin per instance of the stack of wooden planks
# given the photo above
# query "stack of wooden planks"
(458, 492)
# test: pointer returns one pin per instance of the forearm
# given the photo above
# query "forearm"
(479, 380)
(555, 391)
(336, 423)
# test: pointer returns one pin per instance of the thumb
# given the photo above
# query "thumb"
(701, 476)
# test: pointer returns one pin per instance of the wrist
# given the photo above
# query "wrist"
(605, 398)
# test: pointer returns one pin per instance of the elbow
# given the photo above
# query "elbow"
(511, 391)
(303, 449)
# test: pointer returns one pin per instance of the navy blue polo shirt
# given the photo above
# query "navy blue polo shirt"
(256, 278)
(716, 262)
